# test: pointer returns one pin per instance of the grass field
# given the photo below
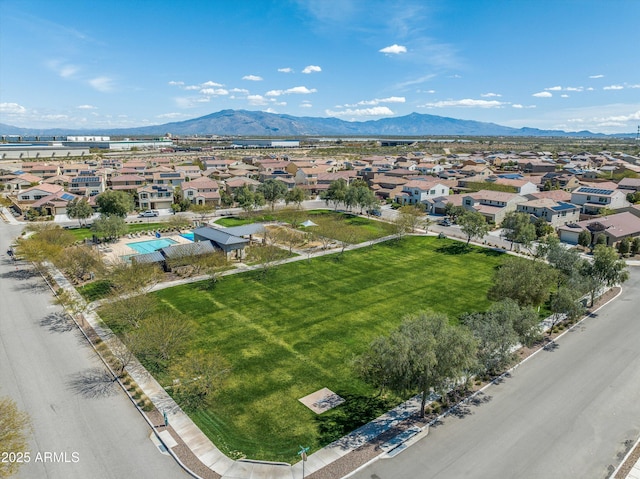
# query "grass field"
(296, 331)
(84, 233)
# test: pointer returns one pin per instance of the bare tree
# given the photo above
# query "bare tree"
(14, 425)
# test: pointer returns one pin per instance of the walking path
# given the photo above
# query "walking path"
(389, 433)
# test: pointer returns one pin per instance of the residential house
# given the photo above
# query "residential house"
(562, 180)
(172, 178)
(190, 172)
(613, 227)
(537, 165)
(386, 187)
(521, 186)
(154, 197)
(87, 185)
(35, 193)
(493, 205)
(127, 182)
(55, 204)
(630, 184)
(592, 198)
(201, 191)
(43, 170)
(476, 170)
(232, 185)
(556, 213)
(22, 181)
(419, 190)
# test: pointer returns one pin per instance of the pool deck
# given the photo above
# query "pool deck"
(116, 250)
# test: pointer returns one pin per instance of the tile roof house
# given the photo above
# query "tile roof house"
(87, 185)
(201, 191)
(38, 192)
(419, 190)
(556, 213)
(613, 227)
(154, 197)
(493, 205)
(594, 198)
(632, 184)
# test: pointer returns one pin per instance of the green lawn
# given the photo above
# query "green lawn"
(295, 331)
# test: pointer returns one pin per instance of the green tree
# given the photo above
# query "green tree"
(135, 278)
(295, 195)
(542, 228)
(14, 426)
(114, 203)
(624, 246)
(607, 269)
(453, 211)
(202, 210)
(273, 191)
(473, 225)
(364, 197)
(81, 261)
(635, 246)
(110, 226)
(245, 198)
(584, 238)
(197, 376)
(527, 282)
(79, 208)
(425, 354)
(46, 244)
(335, 193)
(517, 228)
(565, 304)
(226, 200)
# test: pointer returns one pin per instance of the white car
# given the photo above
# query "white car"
(149, 213)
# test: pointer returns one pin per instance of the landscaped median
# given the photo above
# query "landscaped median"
(295, 330)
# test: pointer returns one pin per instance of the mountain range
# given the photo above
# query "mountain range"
(262, 124)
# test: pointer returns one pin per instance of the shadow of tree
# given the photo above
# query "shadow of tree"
(58, 322)
(93, 383)
(356, 411)
(454, 249)
(551, 346)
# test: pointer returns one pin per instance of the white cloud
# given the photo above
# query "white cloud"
(377, 101)
(305, 104)
(467, 103)
(596, 76)
(256, 100)
(239, 90)
(192, 87)
(543, 94)
(285, 70)
(394, 49)
(375, 111)
(490, 95)
(12, 108)
(634, 86)
(64, 70)
(171, 115)
(574, 88)
(86, 107)
(176, 83)
(210, 84)
(252, 78)
(564, 95)
(214, 91)
(519, 106)
(297, 89)
(554, 88)
(621, 118)
(103, 84)
(311, 69)
(613, 87)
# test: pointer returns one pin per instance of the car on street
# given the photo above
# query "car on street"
(445, 222)
(149, 214)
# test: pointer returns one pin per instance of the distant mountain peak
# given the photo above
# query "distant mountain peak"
(260, 123)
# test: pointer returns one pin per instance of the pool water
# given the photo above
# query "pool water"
(188, 236)
(150, 246)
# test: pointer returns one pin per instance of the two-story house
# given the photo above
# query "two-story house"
(87, 185)
(420, 190)
(592, 198)
(556, 213)
(493, 205)
(201, 191)
(154, 197)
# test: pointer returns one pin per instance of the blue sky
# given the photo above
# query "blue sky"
(552, 64)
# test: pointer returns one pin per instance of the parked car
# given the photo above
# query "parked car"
(445, 222)
(149, 213)
(374, 212)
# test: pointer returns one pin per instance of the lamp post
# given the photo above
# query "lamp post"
(303, 454)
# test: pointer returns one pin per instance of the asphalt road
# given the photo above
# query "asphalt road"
(565, 413)
(77, 412)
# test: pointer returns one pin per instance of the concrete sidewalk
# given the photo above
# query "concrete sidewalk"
(202, 447)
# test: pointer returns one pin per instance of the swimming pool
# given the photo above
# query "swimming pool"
(188, 236)
(150, 246)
